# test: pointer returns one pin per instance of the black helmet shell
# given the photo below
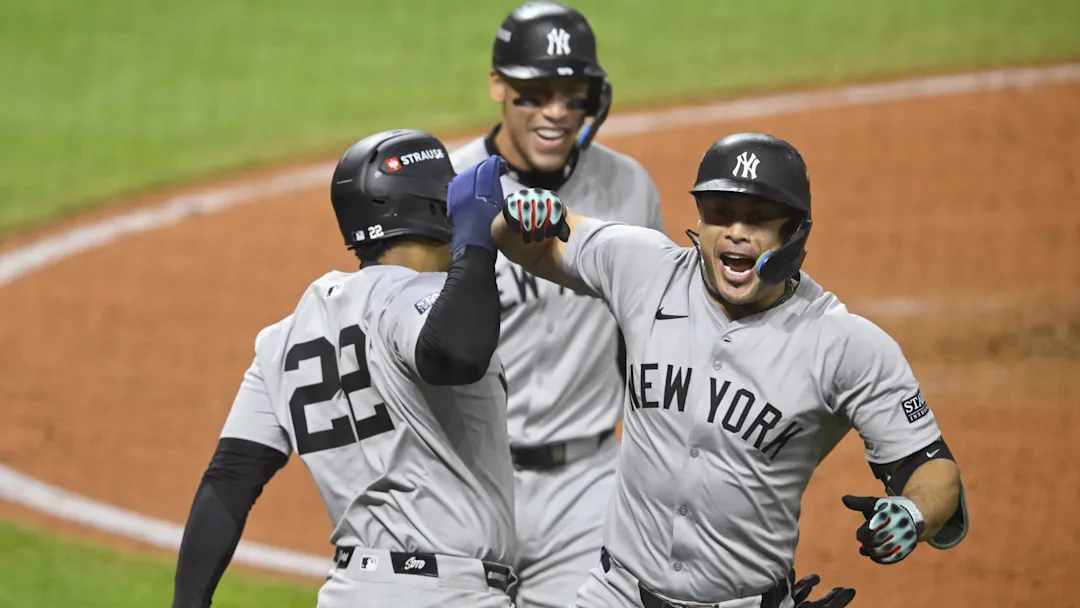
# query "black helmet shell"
(758, 164)
(545, 40)
(392, 184)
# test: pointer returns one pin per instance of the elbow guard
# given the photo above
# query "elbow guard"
(895, 475)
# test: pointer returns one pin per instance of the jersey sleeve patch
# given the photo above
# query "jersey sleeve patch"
(424, 304)
(915, 407)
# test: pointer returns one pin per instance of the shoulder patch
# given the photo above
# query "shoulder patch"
(915, 407)
(425, 303)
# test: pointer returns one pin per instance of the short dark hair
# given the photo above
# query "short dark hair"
(371, 252)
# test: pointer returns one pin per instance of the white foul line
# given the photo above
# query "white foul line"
(19, 488)
(49, 250)
(854, 95)
(40, 496)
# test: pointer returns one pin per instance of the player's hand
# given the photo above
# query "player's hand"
(837, 598)
(891, 529)
(473, 199)
(536, 215)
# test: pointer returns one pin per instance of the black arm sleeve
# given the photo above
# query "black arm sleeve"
(235, 478)
(462, 330)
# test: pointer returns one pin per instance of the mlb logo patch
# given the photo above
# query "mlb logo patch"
(915, 407)
(368, 563)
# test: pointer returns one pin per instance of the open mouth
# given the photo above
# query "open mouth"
(737, 269)
(736, 262)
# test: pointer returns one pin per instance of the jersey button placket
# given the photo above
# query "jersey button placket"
(718, 352)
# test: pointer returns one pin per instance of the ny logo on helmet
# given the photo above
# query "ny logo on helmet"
(748, 161)
(558, 41)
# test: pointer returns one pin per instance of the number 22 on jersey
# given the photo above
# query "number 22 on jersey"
(344, 430)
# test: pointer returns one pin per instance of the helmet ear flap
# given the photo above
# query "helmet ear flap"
(780, 264)
(600, 98)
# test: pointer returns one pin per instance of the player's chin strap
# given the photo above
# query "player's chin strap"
(695, 238)
(589, 132)
(773, 266)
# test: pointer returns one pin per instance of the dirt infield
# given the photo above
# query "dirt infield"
(953, 222)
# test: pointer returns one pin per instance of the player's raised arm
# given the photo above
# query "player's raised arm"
(461, 332)
(525, 233)
(609, 260)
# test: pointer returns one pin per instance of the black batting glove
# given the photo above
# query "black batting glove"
(837, 598)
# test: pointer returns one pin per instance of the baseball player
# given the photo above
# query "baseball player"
(742, 374)
(560, 348)
(384, 383)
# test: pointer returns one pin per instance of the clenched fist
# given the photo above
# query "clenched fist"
(536, 215)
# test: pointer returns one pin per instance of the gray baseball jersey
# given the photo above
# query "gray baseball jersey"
(401, 465)
(725, 420)
(558, 346)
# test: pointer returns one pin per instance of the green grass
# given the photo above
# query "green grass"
(107, 98)
(44, 571)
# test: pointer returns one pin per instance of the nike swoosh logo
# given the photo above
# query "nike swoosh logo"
(932, 454)
(660, 316)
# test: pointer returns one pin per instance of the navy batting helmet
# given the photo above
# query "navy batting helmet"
(392, 184)
(770, 168)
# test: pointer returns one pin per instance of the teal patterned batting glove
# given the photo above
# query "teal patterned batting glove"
(536, 215)
(892, 526)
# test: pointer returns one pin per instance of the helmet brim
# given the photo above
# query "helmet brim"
(765, 191)
(555, 70)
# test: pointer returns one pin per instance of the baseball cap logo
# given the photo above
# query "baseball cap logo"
(392, 165)
(748, 162)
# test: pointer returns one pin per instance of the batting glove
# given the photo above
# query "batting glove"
(891, 529)
(472, 201)
(837, 598)
(536, 215)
